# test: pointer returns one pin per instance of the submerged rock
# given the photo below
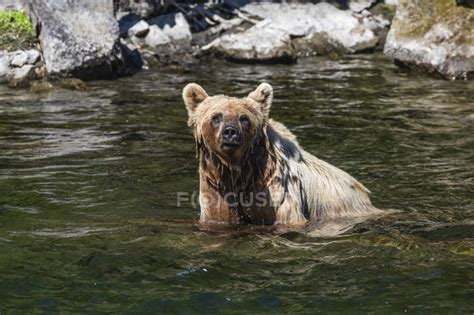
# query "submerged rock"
(77, 37)
(433, 36)
(41, 86)
(72, 84)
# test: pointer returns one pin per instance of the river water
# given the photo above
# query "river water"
(89, 219)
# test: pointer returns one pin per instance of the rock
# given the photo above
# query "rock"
(25, 72)
(225, 26)
(360, 5)
(466, 3)
(72, 84)
(384, 11)
(40, 70)
(156, 37)
(77, 37)
(142, 8)
(4, 68)
(257, 44)
(40, 86)
(139, 30)
(128, 61)
(19, 59)
(33, 56)
(169, 29)
(21, 77)
(317, 44)
(126, 20)
(441, 42)
(167, 41)
(13, 5)
(316, 27)
(339, 25)
(378, 20)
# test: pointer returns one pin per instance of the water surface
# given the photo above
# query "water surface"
(89, 220)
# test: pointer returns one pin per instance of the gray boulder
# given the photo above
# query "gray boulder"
(260, 43)
(156, 37)
(441, 42)
(26, 72)
(378, 20)
(169, 29)
(360, 5)
(21, 77)
(305, 19)
(314, 26)
(140, 29)
(77, 37)
(33, 56)
(20, 58)
(168, 41)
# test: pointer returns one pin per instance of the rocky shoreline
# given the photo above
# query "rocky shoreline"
(106, 39)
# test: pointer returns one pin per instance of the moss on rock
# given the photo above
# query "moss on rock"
(16, 31)
(434, 36)
(424, 14)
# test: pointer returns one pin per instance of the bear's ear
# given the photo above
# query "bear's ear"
(263, 95)
(193, 95)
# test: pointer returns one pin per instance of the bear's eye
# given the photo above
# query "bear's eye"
(216, 120)
(244, 120)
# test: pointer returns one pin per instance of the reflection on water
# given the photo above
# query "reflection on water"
(89, 181)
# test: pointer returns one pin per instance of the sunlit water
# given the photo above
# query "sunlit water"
(89, 220)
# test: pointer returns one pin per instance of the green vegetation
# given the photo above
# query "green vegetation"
(16, 31)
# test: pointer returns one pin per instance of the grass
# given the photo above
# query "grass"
(16, 31)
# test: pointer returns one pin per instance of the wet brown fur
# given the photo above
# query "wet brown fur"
(297, 187)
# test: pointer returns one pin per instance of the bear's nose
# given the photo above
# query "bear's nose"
(231, 135)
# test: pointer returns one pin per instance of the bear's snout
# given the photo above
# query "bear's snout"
(231, 136)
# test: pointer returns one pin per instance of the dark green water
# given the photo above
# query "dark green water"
(89, 220)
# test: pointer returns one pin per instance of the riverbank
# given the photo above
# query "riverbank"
(109, 39)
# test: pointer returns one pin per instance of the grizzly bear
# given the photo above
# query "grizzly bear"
(252, 169)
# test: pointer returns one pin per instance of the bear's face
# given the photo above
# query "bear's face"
(228, 126)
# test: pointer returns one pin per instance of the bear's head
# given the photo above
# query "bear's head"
(227, 126)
